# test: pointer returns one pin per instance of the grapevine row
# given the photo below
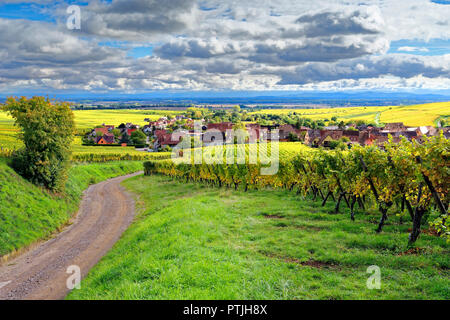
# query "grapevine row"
(409, 176)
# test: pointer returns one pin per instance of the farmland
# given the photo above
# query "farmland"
(225, 233)
(192, 241)
(418, 115)
(86, 119)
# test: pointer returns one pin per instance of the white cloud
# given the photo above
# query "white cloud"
(252, 45)
(413, 49)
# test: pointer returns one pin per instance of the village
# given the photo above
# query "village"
(158, 135)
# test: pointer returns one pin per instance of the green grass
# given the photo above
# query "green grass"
(29, 213)
(195, 242)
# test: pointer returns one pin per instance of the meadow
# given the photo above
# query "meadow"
(191, 241)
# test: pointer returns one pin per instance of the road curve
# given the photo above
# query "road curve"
(105, 213)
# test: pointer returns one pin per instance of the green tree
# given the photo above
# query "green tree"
(293, 137)
(116, 133)
(138, 137)
(125, 138)
(47, 131)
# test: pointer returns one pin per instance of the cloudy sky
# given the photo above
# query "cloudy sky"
(133, 46)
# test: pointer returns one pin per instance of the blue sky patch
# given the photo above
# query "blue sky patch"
(441, 1)
(434, 47)
(140, 52)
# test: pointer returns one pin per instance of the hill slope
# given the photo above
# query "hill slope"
(29, 213)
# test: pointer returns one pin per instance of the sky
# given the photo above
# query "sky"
(139, 46)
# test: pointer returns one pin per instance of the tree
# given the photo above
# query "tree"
(87, 138)
(138, 137)
(125, 138)
(293, 137)
(47, 131)
(116, 133)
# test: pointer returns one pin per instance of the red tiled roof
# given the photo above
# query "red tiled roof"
(223, 126)
(109, 139)
(166, 139)
(102, 130)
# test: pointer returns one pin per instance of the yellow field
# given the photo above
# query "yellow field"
(417, 115)
(87, 119)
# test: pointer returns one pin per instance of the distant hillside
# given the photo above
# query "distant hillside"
(182, 99)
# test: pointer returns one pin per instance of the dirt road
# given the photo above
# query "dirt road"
(41, 273)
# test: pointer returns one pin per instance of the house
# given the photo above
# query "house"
(352, 135)
(159, 133)
(428, 131)
(101, 131)
(326, 136)
(286, 130)
(364, 138)
(266, 131)
(128, 130)
(394, 127)
(312, 137)
(216, 132)
(165, 139)
(109, 127)
(254, 131)
(222, 126)
(381, 140)
(147, 129)
(105, 139)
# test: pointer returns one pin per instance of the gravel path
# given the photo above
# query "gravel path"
(105, 213)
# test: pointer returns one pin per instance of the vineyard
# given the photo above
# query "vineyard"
(409, 179)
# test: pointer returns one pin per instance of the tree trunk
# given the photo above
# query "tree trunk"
(382, 220)
(414, 235)
(352, 205)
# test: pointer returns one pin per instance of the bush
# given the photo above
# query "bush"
(47, 131)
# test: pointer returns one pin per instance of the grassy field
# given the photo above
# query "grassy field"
(29, 213)
(195, 242)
